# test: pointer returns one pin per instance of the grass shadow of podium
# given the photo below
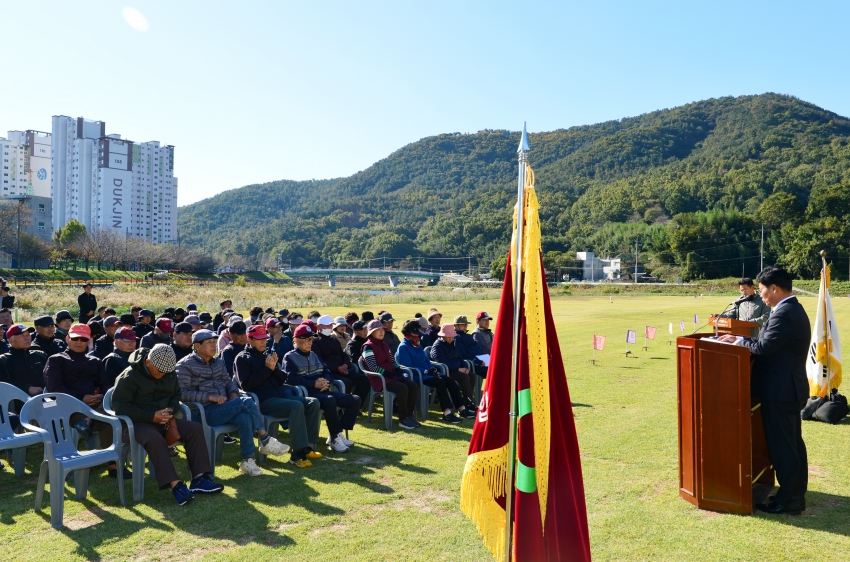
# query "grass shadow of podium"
(824, 512)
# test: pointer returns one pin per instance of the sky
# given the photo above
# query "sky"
(250, 92)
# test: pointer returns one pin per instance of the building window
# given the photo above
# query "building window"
(41, 226)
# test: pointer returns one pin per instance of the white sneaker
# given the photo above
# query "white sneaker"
(345, 440)
(274, 447)
(249, 467)
(338, 446)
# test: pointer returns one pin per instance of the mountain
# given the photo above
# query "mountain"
(693, 185)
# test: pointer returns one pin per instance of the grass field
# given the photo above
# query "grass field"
(395, 495)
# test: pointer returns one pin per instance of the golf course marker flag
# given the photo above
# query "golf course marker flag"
(670, 339)
(682, 326)
(696, 321)
(631, 337)
(823, 367)
(648, 334)
(598, 345)
(525, 416)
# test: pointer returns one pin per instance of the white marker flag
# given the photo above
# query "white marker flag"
(631, 336)
(696, 319)
(671, 328)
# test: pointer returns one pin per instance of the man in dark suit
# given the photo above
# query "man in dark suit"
(779, 382)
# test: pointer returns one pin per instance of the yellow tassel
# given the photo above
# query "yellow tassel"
(484, 480)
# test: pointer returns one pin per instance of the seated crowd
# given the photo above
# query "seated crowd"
(238, 370)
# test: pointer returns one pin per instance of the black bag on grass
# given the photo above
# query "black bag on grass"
(833, 409)
(812, 405)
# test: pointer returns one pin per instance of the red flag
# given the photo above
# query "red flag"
(598, 342)
(649, 333)
(564, 534)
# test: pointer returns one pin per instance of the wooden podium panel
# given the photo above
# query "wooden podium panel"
(732, 325)
(721, 438)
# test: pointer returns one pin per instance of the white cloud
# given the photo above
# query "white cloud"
(135, 19)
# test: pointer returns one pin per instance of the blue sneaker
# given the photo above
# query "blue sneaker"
(182, 494)
(205, 485)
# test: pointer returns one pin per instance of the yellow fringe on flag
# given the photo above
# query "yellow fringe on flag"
(485, 479)
(538, 354)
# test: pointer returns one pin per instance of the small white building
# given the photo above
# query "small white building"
(599, 269)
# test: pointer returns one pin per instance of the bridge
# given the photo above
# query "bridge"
(393, 274)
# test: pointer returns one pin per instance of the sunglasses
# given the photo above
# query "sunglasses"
(80, 339)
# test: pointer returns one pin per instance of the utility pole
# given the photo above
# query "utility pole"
(636, 258)
(761, 261)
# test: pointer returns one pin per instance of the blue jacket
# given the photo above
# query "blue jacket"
(442, 352)
(409, 355)
(467, 348)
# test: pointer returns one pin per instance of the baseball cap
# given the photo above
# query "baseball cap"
(164, 324)
(126, 333)
(374, 325)
(163, 358)
(193, 320)
(482, 316)
(183, 328)
(325, 320)
(423, 324)
(203, 335)
(233, 320)
(257, 332)
(191, 306)
(272, 322)
(63, 315)
(269, 310)
(110, 321)
(461, 320)
(386, 317)
(237, 328)
(128, 319)
(79, 331)
(359, 325)
(304, 331)
(18, 329)
(44, 321)
(283, 312)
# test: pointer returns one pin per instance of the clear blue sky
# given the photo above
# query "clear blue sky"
(257, 91)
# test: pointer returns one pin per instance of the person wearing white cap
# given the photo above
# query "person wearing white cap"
(340, 331)
(326, 346)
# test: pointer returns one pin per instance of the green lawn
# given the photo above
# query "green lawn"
(395, 495)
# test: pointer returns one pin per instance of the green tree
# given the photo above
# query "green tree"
(72, 232)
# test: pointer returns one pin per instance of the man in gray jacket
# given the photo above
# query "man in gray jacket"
(204, 379)
(753, 310)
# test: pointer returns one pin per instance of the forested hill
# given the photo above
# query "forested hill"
(693, 184)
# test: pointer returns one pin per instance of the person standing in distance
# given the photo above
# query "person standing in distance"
(88, 304)
(779, 382)
(754, 310)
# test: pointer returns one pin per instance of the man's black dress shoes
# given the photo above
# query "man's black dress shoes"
(777, 508)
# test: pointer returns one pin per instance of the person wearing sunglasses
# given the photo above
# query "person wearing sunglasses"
(83, 377)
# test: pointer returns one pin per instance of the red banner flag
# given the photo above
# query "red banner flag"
(598, 343)
(649, 333)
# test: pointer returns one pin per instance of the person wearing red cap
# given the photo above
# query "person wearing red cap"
(161, 334)
(304, 368)
(482, 334)
(22, 366)
(82, 376)
(124, 342)
(257, 370)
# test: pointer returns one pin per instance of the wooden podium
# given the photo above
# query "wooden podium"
(731, 325)
(722, 448)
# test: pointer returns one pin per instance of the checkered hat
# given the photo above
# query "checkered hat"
(163, 358)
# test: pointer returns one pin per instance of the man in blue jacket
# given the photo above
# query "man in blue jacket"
(467, 348)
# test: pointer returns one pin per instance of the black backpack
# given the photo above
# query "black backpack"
(830, 409)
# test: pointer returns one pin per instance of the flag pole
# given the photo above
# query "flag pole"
(825, 318)
(522, 151)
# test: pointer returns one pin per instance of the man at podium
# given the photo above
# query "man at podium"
(779, 382)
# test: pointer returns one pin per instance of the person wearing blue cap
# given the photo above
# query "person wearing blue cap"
(191, 306)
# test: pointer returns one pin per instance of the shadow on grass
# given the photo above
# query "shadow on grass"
(824, 512)
(577, 405)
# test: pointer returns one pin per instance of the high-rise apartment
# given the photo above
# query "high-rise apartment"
(26, 176)
(107, 182)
